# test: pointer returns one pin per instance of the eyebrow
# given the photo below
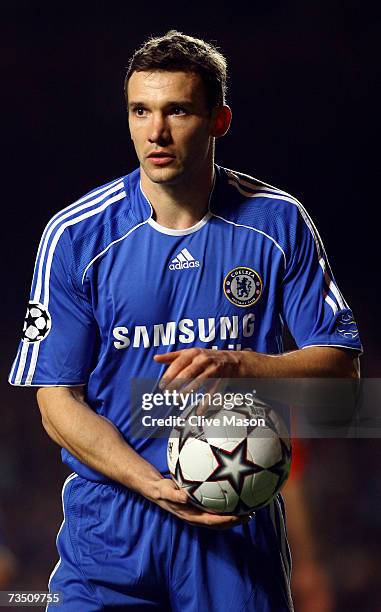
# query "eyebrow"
(170, 103)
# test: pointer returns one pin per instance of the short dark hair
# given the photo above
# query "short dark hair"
(176, 51)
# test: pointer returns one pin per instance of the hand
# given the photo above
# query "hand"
(197, 365)
(169, 497)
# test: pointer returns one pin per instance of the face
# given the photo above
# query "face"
(170, 124)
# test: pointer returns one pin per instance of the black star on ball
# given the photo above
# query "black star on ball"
(233, 466)
(189, 485)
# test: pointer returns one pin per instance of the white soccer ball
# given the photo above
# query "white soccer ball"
(231, 461)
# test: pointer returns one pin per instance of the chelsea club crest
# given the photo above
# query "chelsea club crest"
(243, 286)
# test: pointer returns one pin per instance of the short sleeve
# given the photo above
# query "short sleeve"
(312, 305)
(59, 333)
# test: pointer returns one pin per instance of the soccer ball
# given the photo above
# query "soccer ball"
(231, 461)
(37, 322)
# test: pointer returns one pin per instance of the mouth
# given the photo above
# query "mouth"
(160, 158)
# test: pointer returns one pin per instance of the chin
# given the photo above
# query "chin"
(164, 176)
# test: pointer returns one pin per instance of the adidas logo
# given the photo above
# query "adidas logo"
(184, 260)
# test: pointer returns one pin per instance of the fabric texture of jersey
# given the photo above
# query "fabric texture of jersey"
(112, 288)
(119, 551)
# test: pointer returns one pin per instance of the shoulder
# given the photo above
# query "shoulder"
(255, 204)
(89, 211)
(253, 198)
(79, 231)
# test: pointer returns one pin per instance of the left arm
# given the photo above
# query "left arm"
(311, 362)
(198, 364)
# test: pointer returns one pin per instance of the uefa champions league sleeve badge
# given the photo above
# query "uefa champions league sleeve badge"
(243, 286)
(37, 323)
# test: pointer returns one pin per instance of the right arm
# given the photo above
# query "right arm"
(95, 441)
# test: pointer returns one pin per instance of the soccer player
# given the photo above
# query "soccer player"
(168, 273)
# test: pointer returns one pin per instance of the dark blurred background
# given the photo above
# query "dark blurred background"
(303, 92)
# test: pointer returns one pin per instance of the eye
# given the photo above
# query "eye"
(140, 111)
(178, 110)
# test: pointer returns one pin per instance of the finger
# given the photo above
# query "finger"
(167, 357)
(221, 520)
(200, 365)
(199, 380)
(175, 369)
(178, 360)
(215, 369)
(191, 377)
(179, 497)
(197, 517)
(209, 519)
(171, 492)
(229, 524)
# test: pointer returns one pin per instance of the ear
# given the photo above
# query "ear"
(222, 117)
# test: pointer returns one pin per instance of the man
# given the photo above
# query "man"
(146, 277)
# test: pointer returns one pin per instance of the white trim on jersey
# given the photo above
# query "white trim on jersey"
(84, 198)
(56, 384)
(89, 196)
(60, 231)
(344, 346)
(13, 369)
(45, 258)
(284, 543)
(274, 507)
(331, 285)
(88, 204)
(330, 302)
(72, 208)
(179, 232)
(254, 229)
(284, 556)
(109, 246)
(23, 358)
(68, 479)
(262, 193)
(264, 190)
(33, 363)
(259, 186)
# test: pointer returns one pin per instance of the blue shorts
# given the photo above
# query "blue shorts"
(119, 551)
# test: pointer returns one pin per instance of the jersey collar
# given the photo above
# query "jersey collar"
(143, 209)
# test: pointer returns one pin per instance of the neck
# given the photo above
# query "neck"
(181, 205)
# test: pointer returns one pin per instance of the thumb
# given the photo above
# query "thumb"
(172, 492)
(180, 496)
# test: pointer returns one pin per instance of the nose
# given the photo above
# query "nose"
(159, 130)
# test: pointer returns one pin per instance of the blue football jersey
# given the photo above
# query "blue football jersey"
(112, 288)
